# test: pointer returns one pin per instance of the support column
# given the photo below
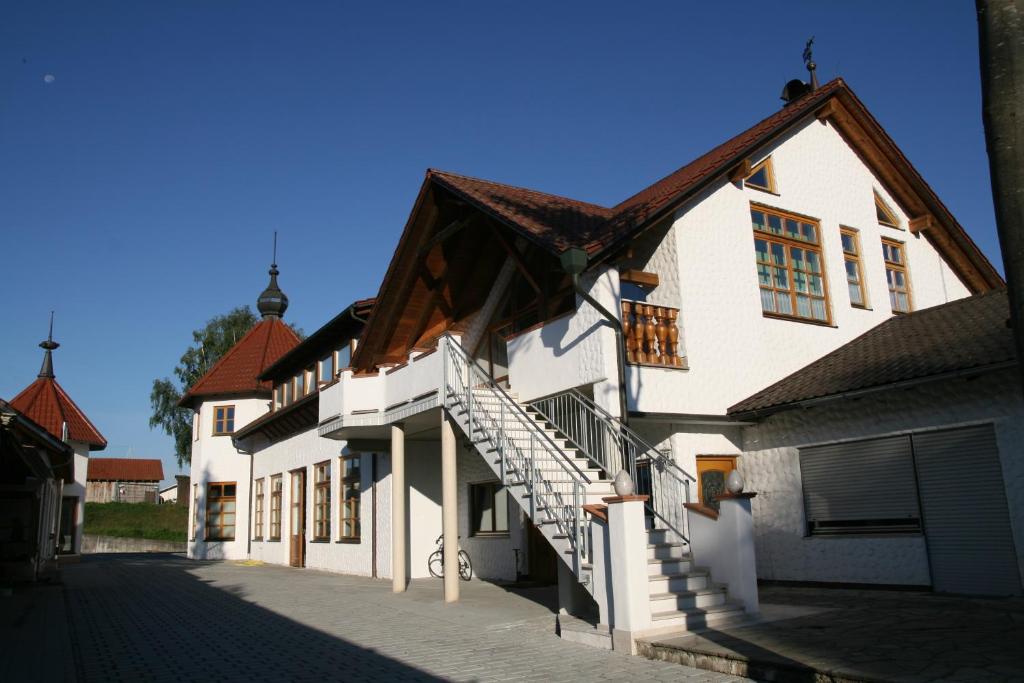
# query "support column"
(449, 509)
(627, 545)
(399, 532)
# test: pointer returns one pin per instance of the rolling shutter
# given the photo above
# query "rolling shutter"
(860, 487)
(966, 521)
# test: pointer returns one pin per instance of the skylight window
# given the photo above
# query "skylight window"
(762, 176)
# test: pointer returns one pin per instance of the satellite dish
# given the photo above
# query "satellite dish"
(794, 90)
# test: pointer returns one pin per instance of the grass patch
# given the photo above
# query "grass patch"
(167, 522)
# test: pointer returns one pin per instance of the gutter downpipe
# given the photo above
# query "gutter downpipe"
(574, 261)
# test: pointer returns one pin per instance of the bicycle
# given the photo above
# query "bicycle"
(435, 563)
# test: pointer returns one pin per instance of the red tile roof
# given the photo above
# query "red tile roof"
(238, 370)
(47, 404)
(966, 335)
(124, 469)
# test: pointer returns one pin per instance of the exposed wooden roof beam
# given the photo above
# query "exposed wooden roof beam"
(516, 257)
(920, 223)
(740, 171)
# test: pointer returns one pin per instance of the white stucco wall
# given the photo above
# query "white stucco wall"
(732, 349)
(214, 459)
(770, 465)
(571, 351)
(76, 488)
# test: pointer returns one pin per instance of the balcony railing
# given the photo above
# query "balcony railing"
(651, 334)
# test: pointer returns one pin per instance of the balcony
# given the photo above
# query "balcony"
(651, 335)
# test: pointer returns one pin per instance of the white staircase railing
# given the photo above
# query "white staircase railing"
(495, 423)
(613, 446)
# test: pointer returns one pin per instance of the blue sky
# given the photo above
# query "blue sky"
(140, 188)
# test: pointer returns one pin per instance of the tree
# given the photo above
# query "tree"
(209, 344)
(1001, 44)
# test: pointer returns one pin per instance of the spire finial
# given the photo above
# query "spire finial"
(272, 302)
(48, 345)
(809, 63)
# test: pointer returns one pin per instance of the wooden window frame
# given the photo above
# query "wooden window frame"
(276, 501)
(474, 532)
(855, 258)
(902, 267)
(217, 431)
(322, 501)
(787, 243)
(257, 534)
(195, 511)
(769, 167)
(892, 220)
(348, 508)
(210, 498)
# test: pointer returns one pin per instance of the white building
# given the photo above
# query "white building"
(47, 403)
(485, 394)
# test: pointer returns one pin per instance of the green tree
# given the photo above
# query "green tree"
(209, 344)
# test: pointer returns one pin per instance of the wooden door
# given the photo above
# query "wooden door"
(712, 471)
(297, 520)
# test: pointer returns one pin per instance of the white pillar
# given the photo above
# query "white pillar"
(398, 523)
(449, 510)
(627, 546)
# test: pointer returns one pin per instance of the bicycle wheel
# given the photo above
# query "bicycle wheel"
(435, 564)
(465, 566)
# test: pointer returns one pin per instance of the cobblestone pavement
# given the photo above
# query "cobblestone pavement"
(166, 618)
(871, 635)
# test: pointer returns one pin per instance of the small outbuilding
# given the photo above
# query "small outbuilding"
(123, 480)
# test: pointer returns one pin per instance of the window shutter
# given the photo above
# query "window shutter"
(860, 487)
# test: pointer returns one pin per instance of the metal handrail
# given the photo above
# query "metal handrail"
(613, 446)
(523, 446)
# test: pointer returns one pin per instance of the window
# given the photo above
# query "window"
(195, 510)
(195, 426)
(258, 511)
(220, 511)
(854, 275)
(896, 275)
(488, 505)
(279, 396)
(223, 420)
(327, 369)
(276, 486)
(287, 394)
(860, 487)
(885, 215)
(790, 272)
(300, 385)
(350, 489)
(762, 177)
(344, 356)
(310, 373)
(322, 501)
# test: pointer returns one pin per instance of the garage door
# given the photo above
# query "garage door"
(966, 522)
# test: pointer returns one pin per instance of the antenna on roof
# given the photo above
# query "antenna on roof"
(809, 63)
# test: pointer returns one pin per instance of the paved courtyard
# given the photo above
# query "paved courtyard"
(165, 618)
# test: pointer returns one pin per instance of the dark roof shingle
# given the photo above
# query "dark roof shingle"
(966, 334)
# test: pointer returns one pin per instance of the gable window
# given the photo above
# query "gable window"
(327, 369)
(885, 215)
(854, 272)
(322, 501)
(258, 511)
(220, 511)
(276, 486)
(790, 271)
(896, 275)
(488, 505)
(350, 492)
(762, 177)
(223, 420)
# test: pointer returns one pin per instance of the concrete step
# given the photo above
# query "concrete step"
(583, 632)
(689, 581)
(687, 600)
(669, 566)
(697, 618)
(656, 536)
(665, 551)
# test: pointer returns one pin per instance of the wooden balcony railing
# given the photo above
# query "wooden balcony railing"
(651, 334)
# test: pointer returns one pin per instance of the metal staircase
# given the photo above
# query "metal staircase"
(558, 454)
